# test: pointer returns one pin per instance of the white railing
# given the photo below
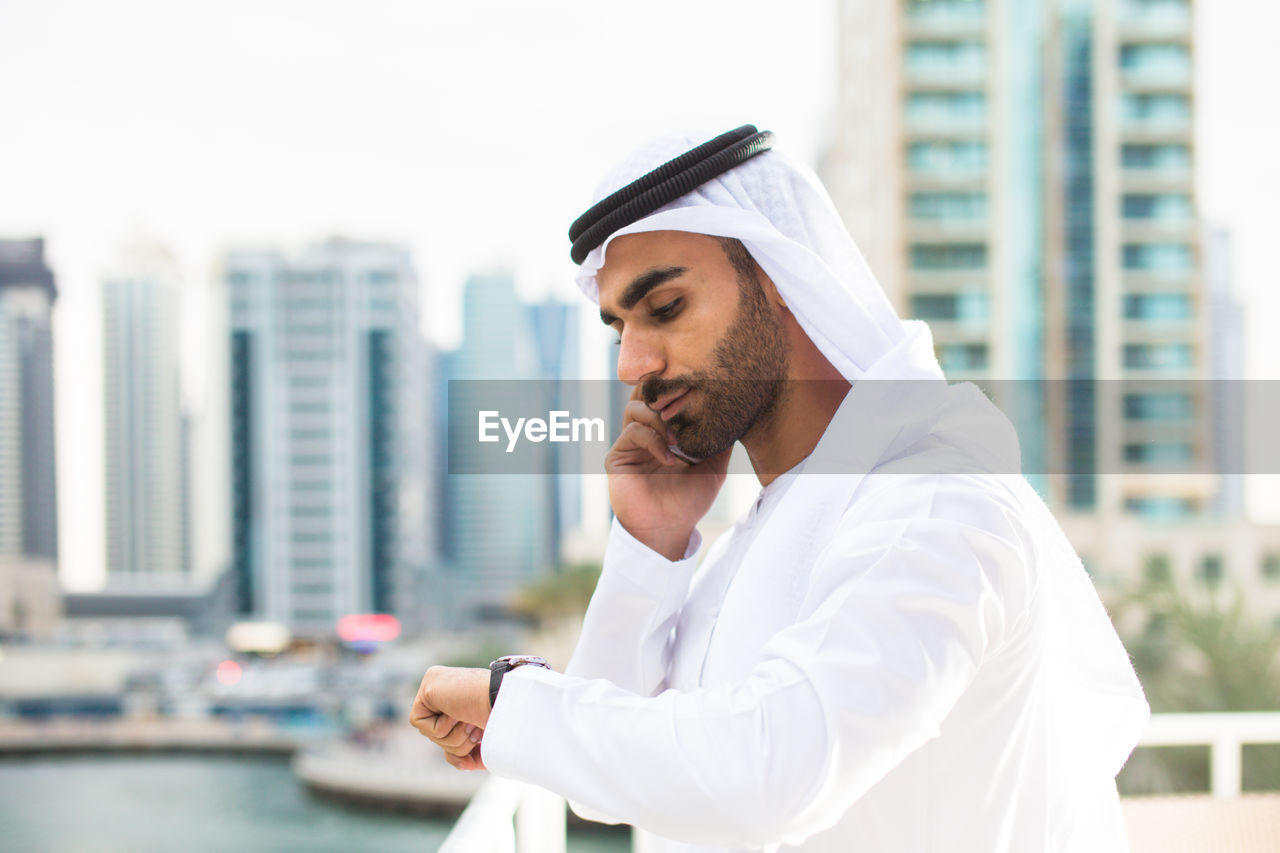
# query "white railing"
(487, 825)
(1224, 734)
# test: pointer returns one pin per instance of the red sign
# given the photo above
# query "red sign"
(368, 628)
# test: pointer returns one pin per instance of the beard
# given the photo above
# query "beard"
(741, 390)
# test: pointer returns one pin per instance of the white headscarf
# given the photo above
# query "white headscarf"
(781, 213)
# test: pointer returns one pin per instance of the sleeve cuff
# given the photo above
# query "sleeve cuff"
(637, 551)
(510, 748)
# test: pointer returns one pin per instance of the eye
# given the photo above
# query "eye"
(666, 312)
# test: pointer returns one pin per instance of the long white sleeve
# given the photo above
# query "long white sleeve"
(897, 619)
(626, 633)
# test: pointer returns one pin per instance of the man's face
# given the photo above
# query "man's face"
(698, 334)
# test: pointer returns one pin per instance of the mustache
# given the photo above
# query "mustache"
(653, 387)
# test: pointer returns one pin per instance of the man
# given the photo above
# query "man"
(895, 649)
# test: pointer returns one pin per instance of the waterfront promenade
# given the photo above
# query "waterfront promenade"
(393, 770)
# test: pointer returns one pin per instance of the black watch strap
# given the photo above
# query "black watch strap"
(503, 665)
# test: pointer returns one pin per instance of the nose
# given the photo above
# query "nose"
(639, 356)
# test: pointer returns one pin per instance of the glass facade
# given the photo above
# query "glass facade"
(1160, 508)
(1157, 406)
(962, 357)
(948, 206)
(1158, 453)
(1164, 62)
(1157, 257)
(946, 109)
(1158, 356)
(962, 307)
(947, 157)
(937, 58)
(1157, 306)
(1164, 156)
(948, 256)
(1167, 207)
(946, 10)
(1159, 108)
(242, 472)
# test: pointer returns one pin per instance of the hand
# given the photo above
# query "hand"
(452, 710)
(656, 497)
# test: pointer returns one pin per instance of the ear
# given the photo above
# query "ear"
(771, 289)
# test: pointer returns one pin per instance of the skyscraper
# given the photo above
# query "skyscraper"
(329, 502)
(28, 475)
(499, 526)
(146, 497)
(29, 597)
(1020, 175)
(555, 337)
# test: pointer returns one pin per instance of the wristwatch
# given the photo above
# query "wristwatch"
(505, 664)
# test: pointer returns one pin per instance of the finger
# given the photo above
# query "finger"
(442, 726)
(637, 412)
(637, 436)
(456, 741)
(423, 718)
(470, 761)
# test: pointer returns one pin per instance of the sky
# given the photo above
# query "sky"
(472, 132)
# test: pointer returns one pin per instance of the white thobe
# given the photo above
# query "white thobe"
(909, 661)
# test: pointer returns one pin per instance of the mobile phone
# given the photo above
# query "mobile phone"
(681, 455)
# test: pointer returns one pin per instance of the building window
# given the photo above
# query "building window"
(961, 206)
(1160, 508)
(1157, 356)
(951, 10)
(946, 107)
(944, 256)
(1169, 60)
(1211, 569)
(1161, 156)
(1155, 108)
(962, 356)
(947, 157)
(1157, 257)
(946, 57)
(1157, 306)
(964, 307)
(309, 459)
(1160, 406)
(311, 511)
(1166, 207)
(1158, 453)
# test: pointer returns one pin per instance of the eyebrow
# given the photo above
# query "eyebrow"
(639, 288)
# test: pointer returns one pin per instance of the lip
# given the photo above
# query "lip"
(672, 405)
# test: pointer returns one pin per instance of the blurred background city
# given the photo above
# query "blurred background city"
(245, 247)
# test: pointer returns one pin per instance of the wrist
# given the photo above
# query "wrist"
(500, 667)
(671, 542)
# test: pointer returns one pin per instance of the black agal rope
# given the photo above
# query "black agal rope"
(663, 185)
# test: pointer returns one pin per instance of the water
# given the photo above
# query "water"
(144, 803)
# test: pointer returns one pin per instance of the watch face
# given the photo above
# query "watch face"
(512, 661)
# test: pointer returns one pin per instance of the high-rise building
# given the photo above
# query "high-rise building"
(555, 338)
(499, 533)
(29, 597)
(1021, 176)
(146, 477)
(329, 464)
(28, 475)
